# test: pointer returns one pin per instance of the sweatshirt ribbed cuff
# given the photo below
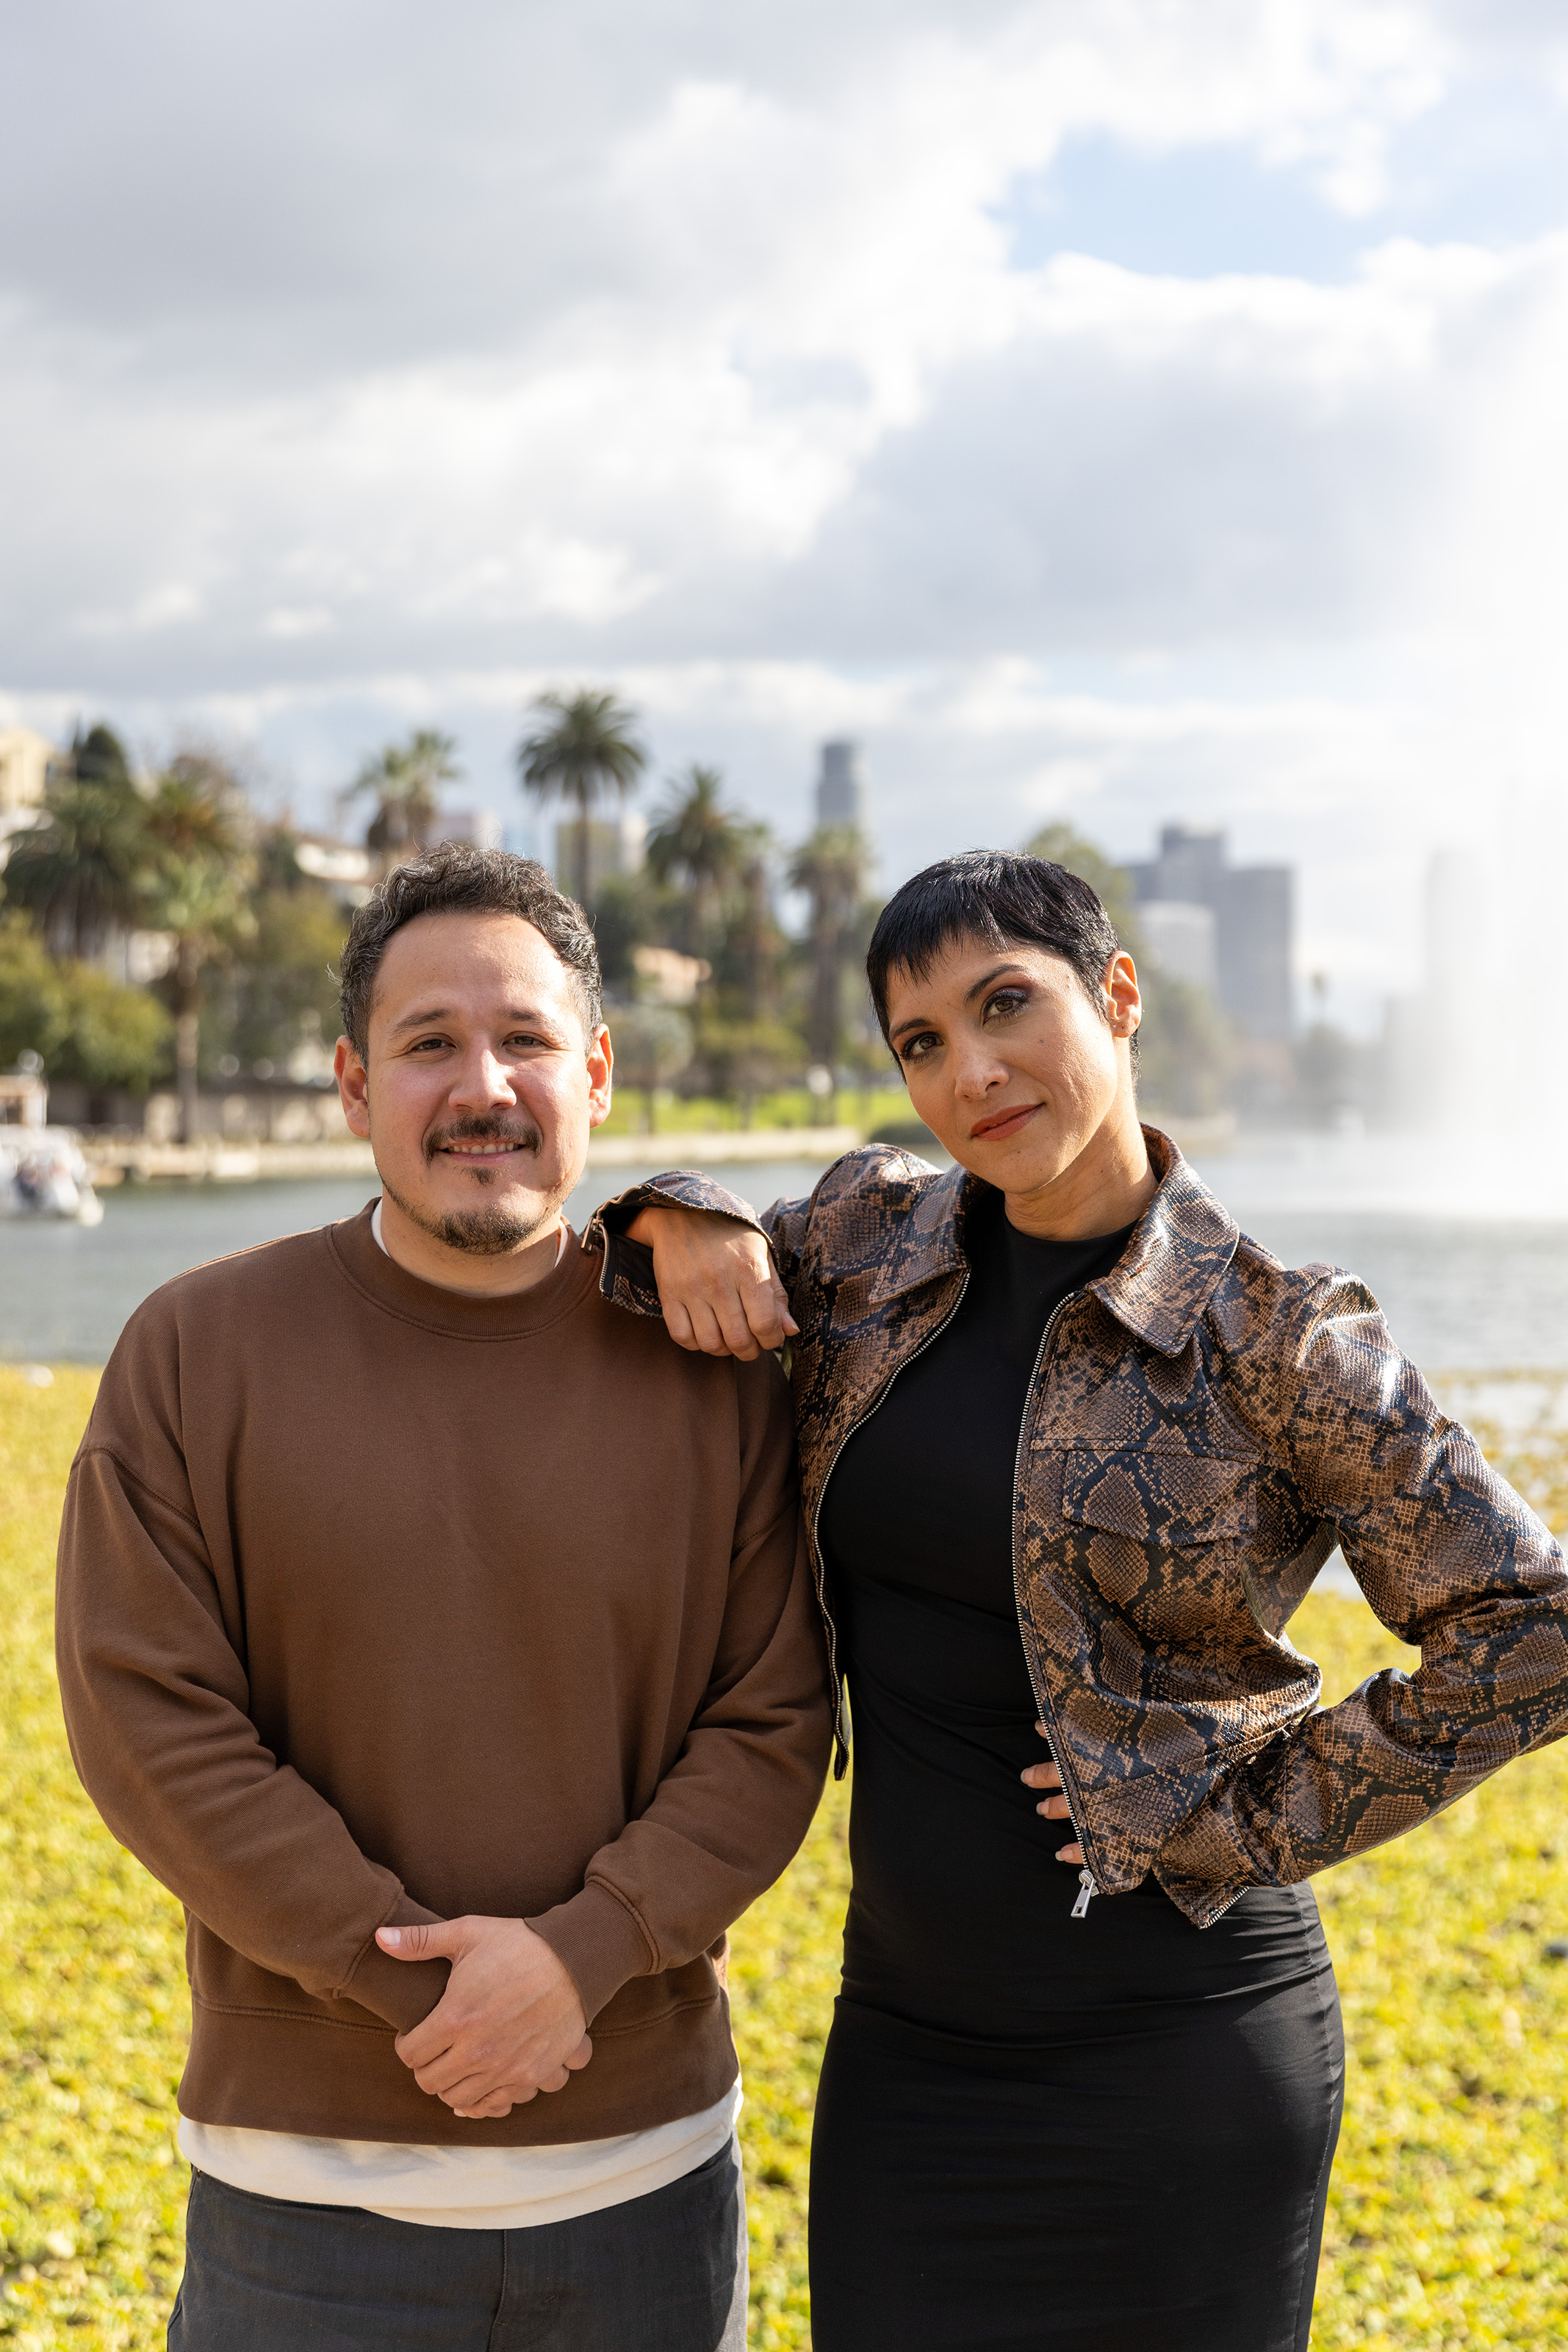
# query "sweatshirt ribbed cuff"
(403, 1992)
(598, 1942)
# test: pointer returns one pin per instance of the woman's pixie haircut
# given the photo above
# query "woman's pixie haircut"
(998, 898)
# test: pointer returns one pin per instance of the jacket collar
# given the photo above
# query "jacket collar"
(1180, 1248)
(1158, 1289)
(927, 1241)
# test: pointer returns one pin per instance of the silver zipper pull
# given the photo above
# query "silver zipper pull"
(1086, 1888)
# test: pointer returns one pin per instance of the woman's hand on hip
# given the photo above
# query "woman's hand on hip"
(1055, 1809)
(716, 1284)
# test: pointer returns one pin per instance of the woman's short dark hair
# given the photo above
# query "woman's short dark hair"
(455, 878)
(1000, 899)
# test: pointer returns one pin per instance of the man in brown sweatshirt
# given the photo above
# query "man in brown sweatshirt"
(442, 1638)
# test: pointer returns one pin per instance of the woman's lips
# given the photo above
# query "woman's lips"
(1003, 1124)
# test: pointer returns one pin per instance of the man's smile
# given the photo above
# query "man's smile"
(480, 1144)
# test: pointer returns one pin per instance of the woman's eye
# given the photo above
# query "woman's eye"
(915, 1049)
(1006, 1001)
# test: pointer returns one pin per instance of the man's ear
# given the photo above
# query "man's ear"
(353, 1087)
(600, 1069)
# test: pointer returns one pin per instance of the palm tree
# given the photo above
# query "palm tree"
(830, 868)
(757, 935)
(77, 871)
(194, 886)
(582, 750)
(697, 845)
(406, 778)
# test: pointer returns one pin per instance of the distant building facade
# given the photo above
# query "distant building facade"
(616, 846)
(482, 827)
(1249, 942)
(1180, 937)
(26, 761)
(842, 795)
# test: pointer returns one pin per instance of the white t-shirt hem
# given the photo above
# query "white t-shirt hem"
(461, 2187)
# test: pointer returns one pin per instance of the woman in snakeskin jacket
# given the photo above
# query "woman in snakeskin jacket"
(1072, 1449)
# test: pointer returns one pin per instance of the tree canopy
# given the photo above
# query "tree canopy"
(406, 780)
(696, 846)
(82, 871)
(195, 885)
(583, 748)
(81, 1023)
(831, 867)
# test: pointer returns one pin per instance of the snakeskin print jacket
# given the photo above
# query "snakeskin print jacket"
(1203, 1427)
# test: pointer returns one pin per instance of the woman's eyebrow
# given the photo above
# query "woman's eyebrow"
(910, 1021)
(986, 979)
(923, 1020)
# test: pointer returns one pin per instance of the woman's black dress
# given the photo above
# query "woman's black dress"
(1034, 2133)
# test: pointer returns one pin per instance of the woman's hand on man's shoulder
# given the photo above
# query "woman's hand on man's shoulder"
(716, 1282)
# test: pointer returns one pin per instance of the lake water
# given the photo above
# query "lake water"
(1469, 1256)
(65, 1290)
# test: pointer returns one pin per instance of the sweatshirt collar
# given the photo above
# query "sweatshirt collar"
(367, 1266)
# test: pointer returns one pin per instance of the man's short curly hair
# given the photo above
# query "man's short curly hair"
(455, 878)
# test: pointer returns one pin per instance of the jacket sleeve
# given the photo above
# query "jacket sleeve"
(628, 1275)
(727, 1817)
(155, 1699)
(1452, 1561)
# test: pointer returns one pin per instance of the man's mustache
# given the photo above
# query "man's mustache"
(523, 1138)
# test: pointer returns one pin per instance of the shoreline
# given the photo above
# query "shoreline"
(217, 1162)
(135, 1160)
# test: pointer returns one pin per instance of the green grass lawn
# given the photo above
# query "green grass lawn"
(1448, 2221)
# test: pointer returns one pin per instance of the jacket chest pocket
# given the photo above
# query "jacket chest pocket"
(1147, 1529)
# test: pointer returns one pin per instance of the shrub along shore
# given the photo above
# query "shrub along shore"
(1449, 2220)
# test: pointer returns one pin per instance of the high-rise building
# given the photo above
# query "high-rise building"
(842, 796)
(26, 762)
(1253, 912)
(616, 846)
(483, 827)
(1178, 935)
(25, 759)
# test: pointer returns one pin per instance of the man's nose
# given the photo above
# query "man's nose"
(482, 1081)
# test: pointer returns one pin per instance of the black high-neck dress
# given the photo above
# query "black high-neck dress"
(1034, 2131)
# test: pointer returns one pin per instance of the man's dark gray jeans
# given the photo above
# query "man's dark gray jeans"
(666, 2273)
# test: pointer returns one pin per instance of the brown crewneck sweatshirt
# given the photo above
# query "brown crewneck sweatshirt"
(378, 1603)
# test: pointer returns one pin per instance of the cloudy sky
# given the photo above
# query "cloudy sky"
(1124, 410)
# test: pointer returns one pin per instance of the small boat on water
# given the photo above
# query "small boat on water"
(44, 1175)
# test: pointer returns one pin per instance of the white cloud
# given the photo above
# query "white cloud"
(392, 361)
(687, 319)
